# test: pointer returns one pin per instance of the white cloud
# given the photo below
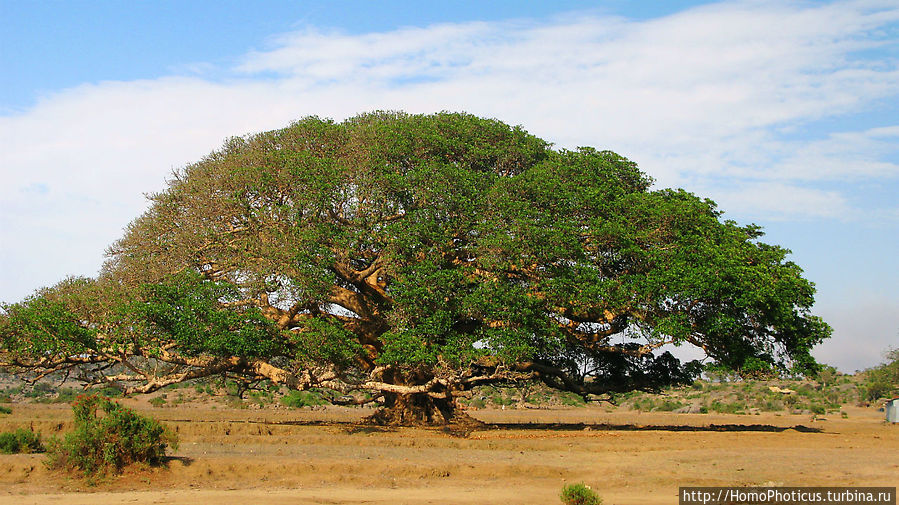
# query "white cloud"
(779, 201)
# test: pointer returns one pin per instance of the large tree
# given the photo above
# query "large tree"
(414, 257)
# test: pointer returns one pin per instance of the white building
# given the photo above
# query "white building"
(892, 410)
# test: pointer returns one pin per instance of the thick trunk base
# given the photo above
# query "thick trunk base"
(423, 410)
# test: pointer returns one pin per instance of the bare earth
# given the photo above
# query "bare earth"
(256, 457)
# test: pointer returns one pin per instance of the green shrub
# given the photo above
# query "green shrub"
(109, 392)
(261, 397)
(669, 405)
(5, 410)
(158, 401)
(298, 399)
(572, 399)
(38, 390)
(736, 407)
(20, 441)
(644, 404)
(100, 445)
(63, 395)
(579, 494)
(772, 405)
(477, 403)
(882, 381)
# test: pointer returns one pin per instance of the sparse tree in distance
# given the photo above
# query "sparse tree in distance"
(882, 381)
(414, 257)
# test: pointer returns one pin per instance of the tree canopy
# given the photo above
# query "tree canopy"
(414, 257)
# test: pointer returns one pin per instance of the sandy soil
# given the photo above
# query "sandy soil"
(321, 457)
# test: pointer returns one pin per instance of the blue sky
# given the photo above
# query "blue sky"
(785, 113)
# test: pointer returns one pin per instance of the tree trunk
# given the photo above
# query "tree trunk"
(420, 410)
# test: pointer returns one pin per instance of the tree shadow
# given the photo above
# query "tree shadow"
(364, 428)
(464, 429)
(648, 427)
(186, 461)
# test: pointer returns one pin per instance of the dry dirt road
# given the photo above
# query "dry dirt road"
(261, 457)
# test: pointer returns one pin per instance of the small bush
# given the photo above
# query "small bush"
(63, 395)
(579, 494)
(298, 399)
(100, 445)
(38, 390)
(235, 402)
(5, 410)
(20, 441)
(669, 405)
(109, 392)
(262, 397)
(737, 407)
(572, 400)
(158, 401)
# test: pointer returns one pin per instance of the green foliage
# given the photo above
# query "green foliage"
(20, 441)
(38, 390)
(477, 403)
(106, 444)
(299, 399)
(189, 310)
(261, 397)
(109, 392)
(5, 410)
(647, 403)
(572, 400)
(750, 396)
(426, 245)
(43, 392)
(882, 381)
(735, 407)
(51, 323)
(158, 401)
(62, 395)
(579, 494)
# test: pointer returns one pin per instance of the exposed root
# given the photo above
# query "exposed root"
(423, 410)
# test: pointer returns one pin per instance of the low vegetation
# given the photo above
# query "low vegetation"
(728, 396)
(46, 392)
(100, 445)
(298, 399)
(820, 394)
(20, 441)
(579, 494)
(882, 381)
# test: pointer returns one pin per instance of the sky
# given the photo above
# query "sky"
(784, 113)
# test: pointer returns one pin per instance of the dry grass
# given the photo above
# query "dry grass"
(300, 456)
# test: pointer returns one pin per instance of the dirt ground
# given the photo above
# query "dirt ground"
(257, 457)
